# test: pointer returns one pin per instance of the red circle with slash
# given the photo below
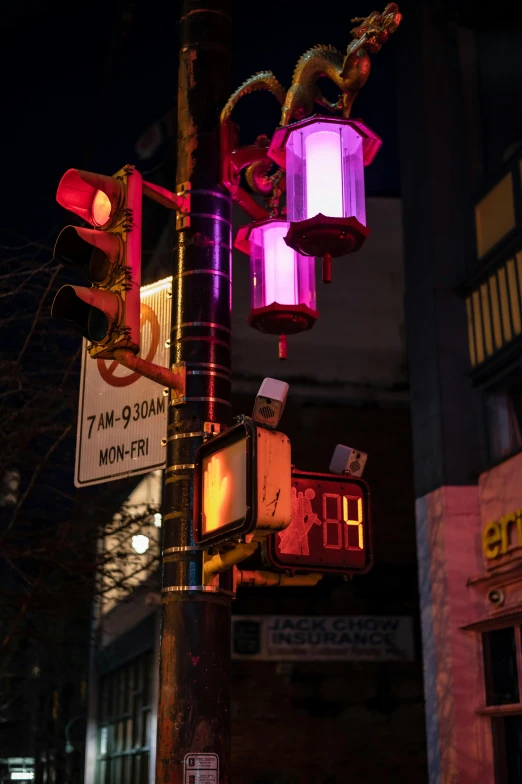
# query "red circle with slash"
(107, 371)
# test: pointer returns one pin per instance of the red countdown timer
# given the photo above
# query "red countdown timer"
(330, 528)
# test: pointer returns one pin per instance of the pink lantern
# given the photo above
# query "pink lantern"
(282, 300)
(324, 158)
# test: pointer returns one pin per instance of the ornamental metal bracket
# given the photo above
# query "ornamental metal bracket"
(233, 160)
(179, 201)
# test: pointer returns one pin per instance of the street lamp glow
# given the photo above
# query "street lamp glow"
(324, 181)
(140, 543)
(280, 269)
(282, 293)
(278, 273)
(327, 156)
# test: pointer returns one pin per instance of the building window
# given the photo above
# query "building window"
(124, 729)
(495, 215)
(504, 415)
(500, 663)
(503, 673)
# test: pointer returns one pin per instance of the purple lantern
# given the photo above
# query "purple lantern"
(282, 293)
(324, 158)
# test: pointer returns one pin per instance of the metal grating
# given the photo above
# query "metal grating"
(494, 312)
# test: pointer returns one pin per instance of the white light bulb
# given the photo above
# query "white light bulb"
(140, 543)
(157, 519)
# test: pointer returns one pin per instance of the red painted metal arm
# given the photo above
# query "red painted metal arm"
(173, 379)
(173, 201)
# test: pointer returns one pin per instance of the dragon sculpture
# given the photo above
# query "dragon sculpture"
(348, 72)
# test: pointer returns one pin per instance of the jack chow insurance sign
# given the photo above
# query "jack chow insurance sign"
(122, 416)
(323, 637)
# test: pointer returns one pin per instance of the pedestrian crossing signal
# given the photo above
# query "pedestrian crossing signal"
(242, 485)
(330, 527)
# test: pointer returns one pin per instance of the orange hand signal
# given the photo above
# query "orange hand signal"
(215, 491)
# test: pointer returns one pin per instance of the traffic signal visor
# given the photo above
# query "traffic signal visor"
(94, 197)
(108, 255)
(97, 254)
(92, 312)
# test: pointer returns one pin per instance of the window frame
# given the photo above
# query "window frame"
(509, 374)
(497, 712)
(112, 717)
(488, 260)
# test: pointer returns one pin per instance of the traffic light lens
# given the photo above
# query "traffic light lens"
(68, 307)
(101, 208)
(98, 325)
(99, 265)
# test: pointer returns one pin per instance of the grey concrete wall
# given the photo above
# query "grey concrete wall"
(356, 348)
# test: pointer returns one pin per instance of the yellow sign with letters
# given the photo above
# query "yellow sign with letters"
(497, 536)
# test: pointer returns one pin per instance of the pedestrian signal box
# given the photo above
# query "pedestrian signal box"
(242, 485)
(330, 527)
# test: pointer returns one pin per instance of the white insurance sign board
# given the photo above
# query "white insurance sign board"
(323, 637)
(122, 417)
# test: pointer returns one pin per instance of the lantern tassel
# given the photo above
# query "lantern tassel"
(282, 346)
(327, 268)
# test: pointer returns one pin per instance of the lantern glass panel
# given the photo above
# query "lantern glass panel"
(278, 273)
(325, 172)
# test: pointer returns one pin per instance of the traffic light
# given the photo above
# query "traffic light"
(108, 255)
(242, 485)
(330, 528)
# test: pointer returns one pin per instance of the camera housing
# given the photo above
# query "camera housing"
(347, 460)
(270, 402)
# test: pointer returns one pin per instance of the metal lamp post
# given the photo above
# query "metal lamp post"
(194, 683)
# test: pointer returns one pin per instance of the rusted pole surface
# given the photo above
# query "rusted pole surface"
(194, 691)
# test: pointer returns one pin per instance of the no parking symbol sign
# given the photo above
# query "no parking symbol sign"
(122, 416)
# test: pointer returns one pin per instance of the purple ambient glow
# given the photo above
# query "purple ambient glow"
(324, 180)
(280, 267)
(325, 172)
(278, 273)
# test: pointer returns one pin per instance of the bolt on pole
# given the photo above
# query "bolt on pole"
(194, 682)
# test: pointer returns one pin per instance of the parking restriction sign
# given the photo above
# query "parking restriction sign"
(122, 416)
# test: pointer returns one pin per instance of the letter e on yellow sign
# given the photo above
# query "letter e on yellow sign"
(491, 539)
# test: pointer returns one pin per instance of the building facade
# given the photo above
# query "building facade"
(461, 187)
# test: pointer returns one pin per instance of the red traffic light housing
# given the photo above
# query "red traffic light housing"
(330, 528)
(242, 485)
(109, 256)
(94, 197)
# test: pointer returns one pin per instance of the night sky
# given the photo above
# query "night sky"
(82, 81)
